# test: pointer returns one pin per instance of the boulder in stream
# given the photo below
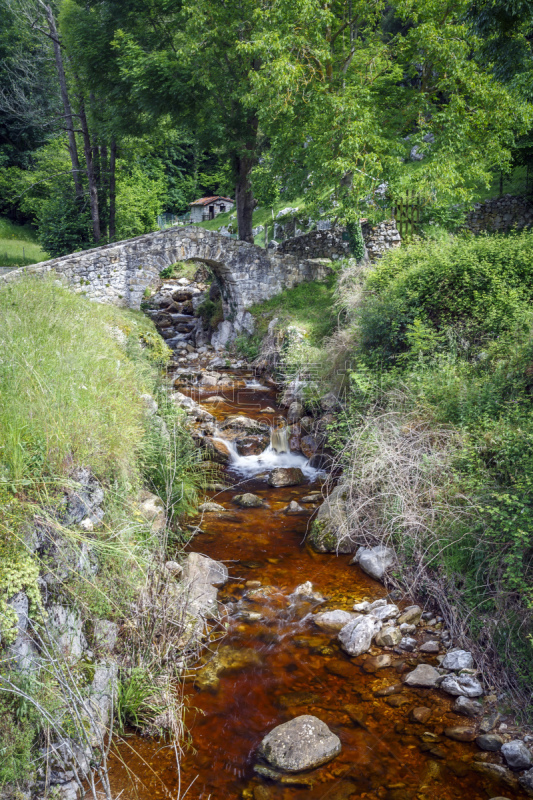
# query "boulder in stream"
(286, 476)
(201, 576)
(375, 561)
(239, 422)
(329, 530)
(294, 508)
(218, 450)
(210, 508)
(356, 637)
(302, 743)
(333, 621)
(248, 500)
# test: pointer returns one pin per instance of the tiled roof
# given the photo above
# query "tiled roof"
(204, 201)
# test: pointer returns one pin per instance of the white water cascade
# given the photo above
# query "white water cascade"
(277, 454)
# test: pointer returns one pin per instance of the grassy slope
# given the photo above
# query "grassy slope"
(309, 307)
(19, 246)
(71, 382)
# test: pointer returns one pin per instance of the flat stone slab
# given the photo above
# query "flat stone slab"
(302, 743)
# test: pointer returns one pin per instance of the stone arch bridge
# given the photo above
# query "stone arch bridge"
(119, 273)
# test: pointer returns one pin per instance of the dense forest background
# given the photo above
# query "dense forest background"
(113, 113)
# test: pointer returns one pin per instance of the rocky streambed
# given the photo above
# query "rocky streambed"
(322, 684)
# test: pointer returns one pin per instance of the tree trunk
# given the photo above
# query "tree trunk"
(93, 189)
(103, 189)
(54, 36)
(244, 198)
(112, 190)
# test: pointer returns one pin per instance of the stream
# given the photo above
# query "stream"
(274, 663)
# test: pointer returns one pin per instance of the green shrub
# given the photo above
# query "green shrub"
(480, 286)
(211, 312)
(439, 425)
(16, 739)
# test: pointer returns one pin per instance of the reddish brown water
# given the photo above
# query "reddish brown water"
(299, 670)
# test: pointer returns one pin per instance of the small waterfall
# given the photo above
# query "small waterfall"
(279, 440)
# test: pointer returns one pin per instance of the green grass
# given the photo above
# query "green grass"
(309, 307)
(181, 269)
(19, 246)
(69, 394)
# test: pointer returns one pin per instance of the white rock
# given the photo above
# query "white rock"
(387, 611)
(375, 561)
(224, 335)
(464, 685)
(356, 637)
(389, 636)
(201, 576)
(210, 507)
(457, 660)
(516, 754)
(302, 743)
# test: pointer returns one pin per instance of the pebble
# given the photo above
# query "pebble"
(374, 663)
(407, 629)
(430, 647)
(460, 733)
(420, 714)
(408, 644)
(386, 691)
(489, 722)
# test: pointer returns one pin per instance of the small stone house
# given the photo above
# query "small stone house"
(210, 207)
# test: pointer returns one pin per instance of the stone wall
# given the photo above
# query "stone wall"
(119, 273)
(317, 244)
(501, 214)
(380, 238)
(330, 244)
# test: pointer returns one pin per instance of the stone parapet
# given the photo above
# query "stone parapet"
(330, 244)
(119, 273)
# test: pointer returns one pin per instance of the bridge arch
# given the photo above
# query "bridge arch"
(119, 273)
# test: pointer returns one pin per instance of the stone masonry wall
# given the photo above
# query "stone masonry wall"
(329, 244)
(119, 273)
(501, 214)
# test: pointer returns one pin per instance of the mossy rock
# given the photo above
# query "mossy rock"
(329, 531)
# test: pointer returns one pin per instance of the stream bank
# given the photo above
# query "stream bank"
(285, 654)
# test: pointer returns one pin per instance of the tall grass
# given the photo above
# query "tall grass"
(19, 246)
(68, 392)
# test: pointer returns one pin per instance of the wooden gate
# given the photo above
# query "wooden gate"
(406, 212)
